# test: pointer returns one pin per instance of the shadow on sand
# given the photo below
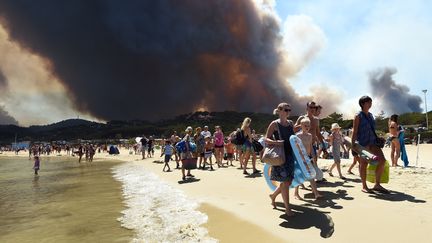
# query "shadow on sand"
(328, 199)
(395, 196)
(188, 180)
(305, 218)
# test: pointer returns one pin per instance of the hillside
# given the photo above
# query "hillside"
(73, 129)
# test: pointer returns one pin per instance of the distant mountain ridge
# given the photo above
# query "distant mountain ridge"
(63, 124)
(72, 129)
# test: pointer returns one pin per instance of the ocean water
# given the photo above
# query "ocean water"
(156, 211)
(67, 202)
(105, 201)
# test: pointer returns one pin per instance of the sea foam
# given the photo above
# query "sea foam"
(156, 211)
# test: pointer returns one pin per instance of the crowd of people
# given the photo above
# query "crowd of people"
(200, 146)
(203, 145)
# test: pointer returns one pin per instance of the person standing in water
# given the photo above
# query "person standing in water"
(36, 165)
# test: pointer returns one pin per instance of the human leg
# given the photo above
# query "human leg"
(362, 168)
(352, 165)
(245, 156)
(296, 193)
(315, 189)
(285, 196)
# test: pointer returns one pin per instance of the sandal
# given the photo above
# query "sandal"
(330, 174)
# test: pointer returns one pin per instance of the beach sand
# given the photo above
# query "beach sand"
(239, 208)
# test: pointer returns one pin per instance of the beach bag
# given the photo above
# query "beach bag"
(370, 173)
(257, 146)
(274, 154)
(189, 163)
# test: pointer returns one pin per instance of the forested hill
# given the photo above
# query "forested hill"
(73, 129)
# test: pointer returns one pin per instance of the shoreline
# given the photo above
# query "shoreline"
(226, 193)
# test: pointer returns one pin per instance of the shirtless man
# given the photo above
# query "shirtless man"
(394, 139)
(306, 139)
(317, 137)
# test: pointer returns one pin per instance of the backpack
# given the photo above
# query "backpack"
(238, 138)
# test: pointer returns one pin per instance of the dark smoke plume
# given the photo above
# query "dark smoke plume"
(3, 81)
(140, 59)
(393, 97)
(5, 118)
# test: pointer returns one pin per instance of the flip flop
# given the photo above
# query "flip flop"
(381, 190)
(368, 191)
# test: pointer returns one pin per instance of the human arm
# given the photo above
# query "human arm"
(297, 125)
(356, 122)
(269, 134)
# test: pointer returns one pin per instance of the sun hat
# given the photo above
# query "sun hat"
(335, 126)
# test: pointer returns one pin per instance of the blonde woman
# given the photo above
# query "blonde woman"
(247, 148)
(281, 130)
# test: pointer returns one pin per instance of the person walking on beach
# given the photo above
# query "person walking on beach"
(229, 148)
(36, 165)
(168, 151)
(394, 139)
(311, 108)
(200, 142)
(247, 147)
(219, 145)
(206, 132)
(187, 154)
(336, 141)
(150, 148)
(364, 134)
(208, 152)
(306, 139)
(281, 130)
(143, 146)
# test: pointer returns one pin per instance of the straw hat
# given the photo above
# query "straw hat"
(335, 126)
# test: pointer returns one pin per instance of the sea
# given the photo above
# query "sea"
(102, 201)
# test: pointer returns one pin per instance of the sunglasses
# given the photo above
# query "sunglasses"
(286, 110)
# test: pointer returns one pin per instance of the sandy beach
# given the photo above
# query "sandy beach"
(239, 208)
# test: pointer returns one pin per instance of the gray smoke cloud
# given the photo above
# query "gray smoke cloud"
(3, 81)
(393, 97)
(5, 118)
(140, 59)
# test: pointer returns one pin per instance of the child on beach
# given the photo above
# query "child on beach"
(208, 152)
(229, 147)
(36, 165)
(336, 140)
(306, 138)
(167, 150)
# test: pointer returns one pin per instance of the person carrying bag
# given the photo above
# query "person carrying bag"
(277, 138)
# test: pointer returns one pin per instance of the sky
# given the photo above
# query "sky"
(359, 37)
(328, 51)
